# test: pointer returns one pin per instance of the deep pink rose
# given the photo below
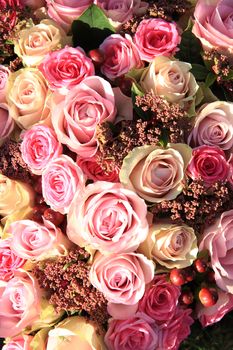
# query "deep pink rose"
(156, 37)
(31, 240)
(4, 73)
(120, 11)
(20, 342)
(6, 122)
(137, 333)
(122, 279)
(94, 171)
(64, 12)
(210, 315)
(9, 261)
(112, 218)
(120, 54)
(177, 329)
(75, 117)
(217, 239)
(160, 300)
(208, 163)
(39, 147)
(66, 68)
(61, 180)
(20, 304)
(213, 25)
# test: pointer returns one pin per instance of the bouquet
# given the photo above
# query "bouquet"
(116, 173)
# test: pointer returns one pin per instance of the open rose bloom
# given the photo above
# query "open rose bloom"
(116, 174)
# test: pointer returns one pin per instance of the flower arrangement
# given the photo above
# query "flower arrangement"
(116, 172)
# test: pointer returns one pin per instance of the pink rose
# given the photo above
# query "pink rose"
(9, 261)
(160, 300)
(34, 241)
(208, 163)
(137, 333)
(66, 68)
(95, 172)
(120, 11)
(39, 147)
(4, 73)
(64, 12)
(217, 239)
(6, 122)
(120, 54)
(113, 219)
(61, 180)
(122, 279)
(20, 342)
(20, 304)
(213, 25)
(156, 37)
(210, 315)
(75, 117)
(177, 329)
(213, 126)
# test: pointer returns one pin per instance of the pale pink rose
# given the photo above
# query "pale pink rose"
(61, 180)
(96, 172)
(156, 37)
(20, 342)
(66, 68)
(213, 126)
(210, 315)
(33, 4)
(160, 300)
(177, 330)
(39, 147)
(6, 122)
(156, 173)
(213, 25)
(4, 73)
(113, 219)
(27, 97)
(64, 12)
(75, 117)
(9, 261)
(120, 11)
(122, 279)
(217, 239)
(31, 240)
(120, 54)
(208, 163)
(20, 304)
(137, 333)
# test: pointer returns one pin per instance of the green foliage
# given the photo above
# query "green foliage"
(199, 71)
(91, 28)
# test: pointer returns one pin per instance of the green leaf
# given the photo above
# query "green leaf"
(208, 95)
(190, 47)
(199, 71)
(91, 28)
(136, 89)
(210, 79)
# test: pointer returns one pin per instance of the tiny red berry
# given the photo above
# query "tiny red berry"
(208, 296)
(186, 297)
(177, 277)
(97, 56)
(200, 265)
(189, 273)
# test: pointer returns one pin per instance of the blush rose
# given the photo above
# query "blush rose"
(113, 219)
(61, 180)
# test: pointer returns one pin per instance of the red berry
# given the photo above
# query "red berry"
(177, 277)
(189, 273)
(97, 56)
(208, 296)
(186, 297)
(53, 216)
(200, 265)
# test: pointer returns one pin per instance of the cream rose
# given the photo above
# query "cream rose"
(27, 94)
(155, 173)
(35, 42)
(14, 196)
(170, 79)
(170, 245)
